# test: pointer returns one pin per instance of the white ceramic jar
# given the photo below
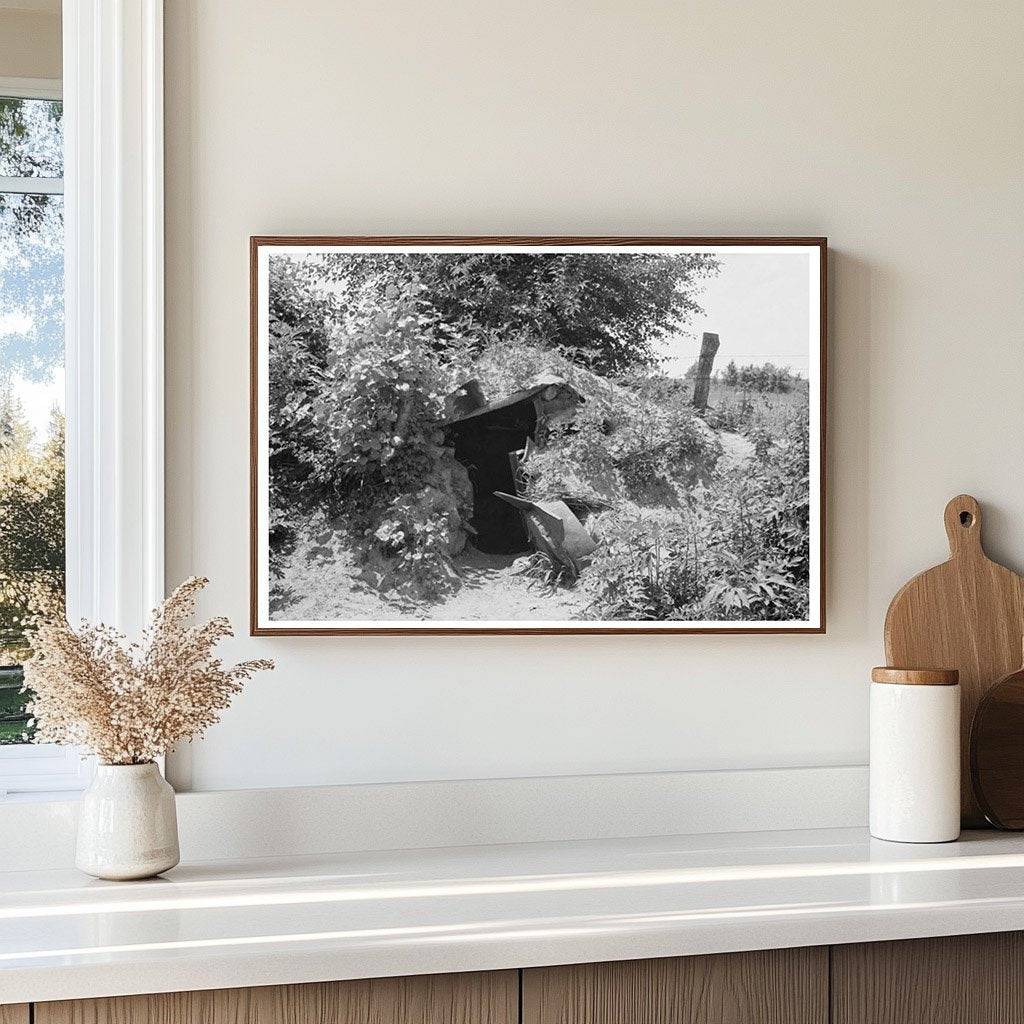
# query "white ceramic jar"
(127, 824)
(915, 755)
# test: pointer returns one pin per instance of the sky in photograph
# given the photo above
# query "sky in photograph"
(758, 307)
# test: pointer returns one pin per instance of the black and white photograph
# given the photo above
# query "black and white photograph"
(542, 435)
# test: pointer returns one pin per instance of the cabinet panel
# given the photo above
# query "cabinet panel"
(778, 986)
(482, 998)
(14, 1013)
(963, 979)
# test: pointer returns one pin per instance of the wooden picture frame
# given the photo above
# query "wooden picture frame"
(262, 623)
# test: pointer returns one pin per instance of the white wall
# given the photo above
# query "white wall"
(895, 129)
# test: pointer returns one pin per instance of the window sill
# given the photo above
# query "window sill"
(43, 771)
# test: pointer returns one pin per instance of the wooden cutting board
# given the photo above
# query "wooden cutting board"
(967, 614)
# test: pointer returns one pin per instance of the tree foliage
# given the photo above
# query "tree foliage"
(31, 146)
(764, 377)
(606, 310)
(31, 525)
(31, 138)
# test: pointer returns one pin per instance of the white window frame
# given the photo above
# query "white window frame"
(44, 767)
(114, 323)
(32, 88)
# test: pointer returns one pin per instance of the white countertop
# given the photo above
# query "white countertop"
(261, 922)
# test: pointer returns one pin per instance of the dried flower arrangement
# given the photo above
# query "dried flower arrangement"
(129, 703)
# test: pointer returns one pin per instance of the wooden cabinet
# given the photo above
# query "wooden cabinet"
(971, 979)
(963, 979)
(490, 998)
(777, 986)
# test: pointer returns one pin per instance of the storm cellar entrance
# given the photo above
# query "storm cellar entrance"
(488, 437)
(487, 444)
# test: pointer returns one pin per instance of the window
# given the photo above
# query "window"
(31, 382)
(108, 206)
(32, 513)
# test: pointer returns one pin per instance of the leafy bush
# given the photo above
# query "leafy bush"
(355, 431)
(626, 443)
(659, 446)
(739, 550)
(647, 566)
(759, 537)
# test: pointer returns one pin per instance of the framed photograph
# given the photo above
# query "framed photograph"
(537, 435)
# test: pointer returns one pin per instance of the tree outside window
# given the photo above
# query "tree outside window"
(31, 386)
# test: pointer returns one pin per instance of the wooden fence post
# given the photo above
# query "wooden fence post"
(702, 382)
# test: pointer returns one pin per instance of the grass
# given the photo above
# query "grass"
(732, 407)
(12, 701)
(12, 732)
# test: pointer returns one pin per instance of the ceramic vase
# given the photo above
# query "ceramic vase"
(127, 825)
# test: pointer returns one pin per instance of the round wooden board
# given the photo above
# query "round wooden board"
(997, 753)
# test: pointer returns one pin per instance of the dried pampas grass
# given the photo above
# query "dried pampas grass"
(129, 703)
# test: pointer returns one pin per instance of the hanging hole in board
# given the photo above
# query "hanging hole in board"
(966, 519)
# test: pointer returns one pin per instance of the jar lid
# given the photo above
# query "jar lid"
(916, 676)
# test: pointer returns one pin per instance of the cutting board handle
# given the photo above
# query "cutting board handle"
(963, 526)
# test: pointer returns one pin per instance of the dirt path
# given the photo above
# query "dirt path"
(491, 590)
(324, 589)
(736, 449)
(318, 588)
